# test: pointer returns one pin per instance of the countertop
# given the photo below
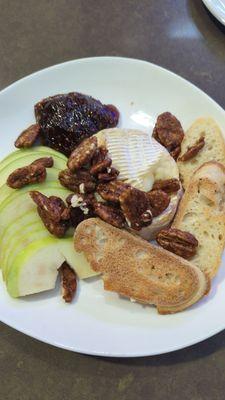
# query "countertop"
(179, 35)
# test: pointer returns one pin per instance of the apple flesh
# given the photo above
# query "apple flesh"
(35, 268)
(37, 152)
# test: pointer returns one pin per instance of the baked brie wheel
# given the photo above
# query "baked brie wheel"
(141, 161)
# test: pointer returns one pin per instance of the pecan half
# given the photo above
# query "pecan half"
(182, 243)
(101, 166)
(46, 162)
(167, 185)
(82, 154)
(28, 137)
(169, 132)
(26, 175)
(136, 208)
(80, 181)
(110, 214)
(111, 191)
(68, 282)
(159, 201)
(110, 175)
(192, 151)
(52, 212)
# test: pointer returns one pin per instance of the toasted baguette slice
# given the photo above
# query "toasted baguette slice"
(202, 213)
(214, 148)
(136, 269)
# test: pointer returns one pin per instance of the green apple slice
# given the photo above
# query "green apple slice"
(26, 240)
(77, 261)
(52, 175)
(21, 203)
(25, 213)
(14, 235)
(14, 194)
(7, 232)
(19, 241)
(44, 151)
(59, 164)
(35, 268)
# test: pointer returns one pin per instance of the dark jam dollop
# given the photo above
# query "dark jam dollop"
(66, 119)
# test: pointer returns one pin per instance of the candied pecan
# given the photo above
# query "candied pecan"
(26, 175)
(52, 212)
(192, 151)
(56, 208)
(110, 214)
(53, 205)
(167, 185)
(46, 162)
(57, 229)
(136, 208)
(169, 132)
(159, 201)
(83, 154)
(111, 191)
(175, 152)
(68, 282)
(81, 181)
(182, 243)
(69, 180)
(108, 176)
(101, 166)
(28, 137)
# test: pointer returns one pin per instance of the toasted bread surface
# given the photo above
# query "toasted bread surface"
(214, 148)
(139, 270)
(202, 213)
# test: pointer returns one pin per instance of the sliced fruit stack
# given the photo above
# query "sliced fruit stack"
(29, 255)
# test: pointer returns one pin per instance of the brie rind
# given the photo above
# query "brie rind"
(141, 161)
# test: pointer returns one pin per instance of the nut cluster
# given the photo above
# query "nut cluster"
(32, 173)
(90, 175)
(97, 191)
(53, 212)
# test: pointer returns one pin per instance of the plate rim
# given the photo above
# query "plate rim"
(109, 59)
(213, 11)
(79, 349)
(108, 354)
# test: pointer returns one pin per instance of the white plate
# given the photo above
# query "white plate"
(217, 8)
(99, 322)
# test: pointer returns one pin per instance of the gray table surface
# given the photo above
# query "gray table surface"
(177, 34)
